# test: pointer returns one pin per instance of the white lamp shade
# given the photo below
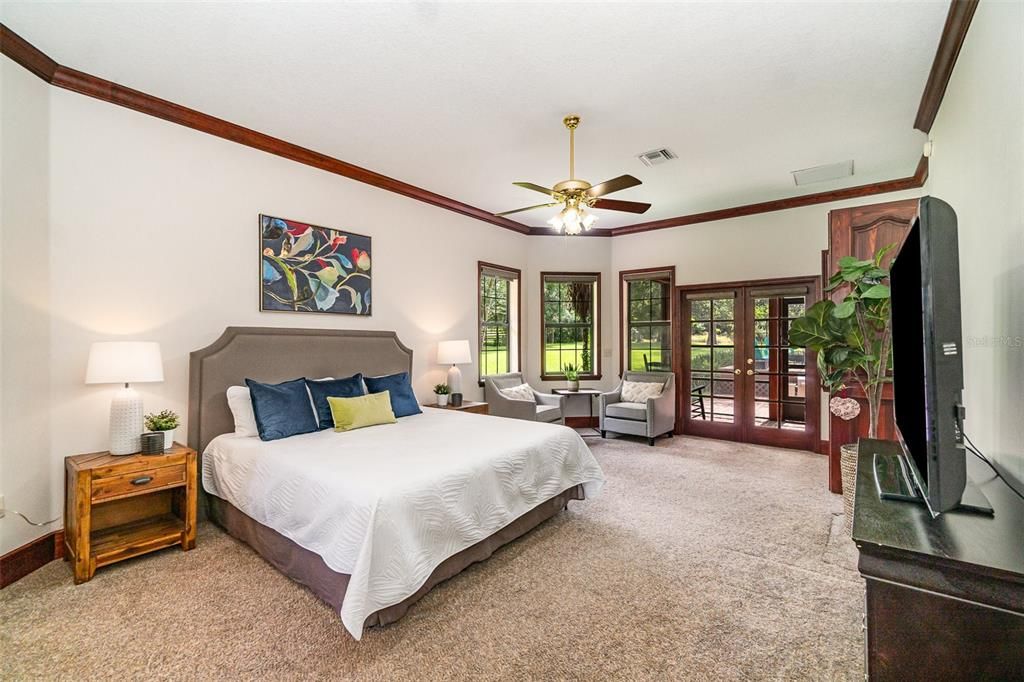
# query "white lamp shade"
(454, 353)
(124, 362)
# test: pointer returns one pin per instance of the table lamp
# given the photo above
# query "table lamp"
(454, 353)
(125, 362)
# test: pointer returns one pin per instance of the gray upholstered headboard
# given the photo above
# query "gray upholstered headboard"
(275, 354)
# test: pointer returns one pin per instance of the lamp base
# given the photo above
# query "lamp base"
(455, 380)
(126, 422)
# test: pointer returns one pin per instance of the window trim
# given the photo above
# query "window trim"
(518, 276)
(624, 276)
(597, 327)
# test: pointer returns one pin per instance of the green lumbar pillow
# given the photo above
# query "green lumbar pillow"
(364, 410)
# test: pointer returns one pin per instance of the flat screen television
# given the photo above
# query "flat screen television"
(928, 375)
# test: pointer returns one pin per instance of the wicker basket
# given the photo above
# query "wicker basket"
(848, 467)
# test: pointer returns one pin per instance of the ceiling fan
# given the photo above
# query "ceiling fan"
(576, 196)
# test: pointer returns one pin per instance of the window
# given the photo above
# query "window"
(647, 328)
(571, 303)
(498, 319)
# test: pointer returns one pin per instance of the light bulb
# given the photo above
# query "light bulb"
(555, 221)
(589, 220)
(570, 215)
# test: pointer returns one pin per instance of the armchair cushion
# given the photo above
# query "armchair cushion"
(548, 413)
(520, 392)
(627, 410)
(640, 391)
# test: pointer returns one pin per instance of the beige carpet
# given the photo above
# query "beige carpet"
(701, 560)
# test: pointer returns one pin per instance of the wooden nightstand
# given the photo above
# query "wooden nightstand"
(466, 406)
(120, 507)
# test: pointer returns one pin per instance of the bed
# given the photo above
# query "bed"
(370, 520)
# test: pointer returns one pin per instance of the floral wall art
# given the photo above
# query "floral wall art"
(312, 269)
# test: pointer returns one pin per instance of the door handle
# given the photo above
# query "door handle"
(142, 480)
(737, 372)
(750, 361)
(750, 372)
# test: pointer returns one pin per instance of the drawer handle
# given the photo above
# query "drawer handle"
(142, 480)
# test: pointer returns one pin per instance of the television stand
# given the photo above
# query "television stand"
(893, 482)
(944, 596)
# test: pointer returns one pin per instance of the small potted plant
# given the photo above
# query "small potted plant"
(166, 422)
(572, 375)
(441, 391)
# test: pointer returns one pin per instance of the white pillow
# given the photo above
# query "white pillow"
(640, 391)
(240, 403)
(520, 392)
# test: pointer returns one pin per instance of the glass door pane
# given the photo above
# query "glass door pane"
(779, 388)
(712, 359)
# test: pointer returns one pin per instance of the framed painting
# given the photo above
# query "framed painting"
(311, 269)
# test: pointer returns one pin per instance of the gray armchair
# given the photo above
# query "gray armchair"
(650, 420)
(548, 408)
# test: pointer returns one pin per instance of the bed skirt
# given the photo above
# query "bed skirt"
(307, 568)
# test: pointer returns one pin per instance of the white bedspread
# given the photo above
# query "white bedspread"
(387, 504)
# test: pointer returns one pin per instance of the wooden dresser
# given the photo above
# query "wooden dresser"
(117, 507)
(945, 596)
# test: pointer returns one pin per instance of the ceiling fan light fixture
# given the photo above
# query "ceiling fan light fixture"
(575, 196)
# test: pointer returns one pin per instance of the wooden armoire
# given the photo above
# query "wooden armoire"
(860, 232)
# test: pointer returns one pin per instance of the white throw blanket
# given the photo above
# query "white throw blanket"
(387, 504)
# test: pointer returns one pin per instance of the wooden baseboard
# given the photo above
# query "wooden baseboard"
(581, 422)
(823, 447)
(19, 562)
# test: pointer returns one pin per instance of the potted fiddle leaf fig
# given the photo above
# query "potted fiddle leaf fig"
(441, 391)
(853, 340)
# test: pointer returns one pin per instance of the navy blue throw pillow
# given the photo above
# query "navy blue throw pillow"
(403, 400)
(281, 410)
(352, 387)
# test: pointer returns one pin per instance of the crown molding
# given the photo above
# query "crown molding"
(910, 182)
(958, 20)
(24, 53)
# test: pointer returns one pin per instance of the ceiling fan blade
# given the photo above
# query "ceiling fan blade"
(528, 208)
(616, 205)
(535, 188)
(613, 185)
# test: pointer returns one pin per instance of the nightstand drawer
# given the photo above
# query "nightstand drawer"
(137, 482)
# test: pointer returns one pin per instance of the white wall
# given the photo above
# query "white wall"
(976, 167)
(153, 236)
(24, 300)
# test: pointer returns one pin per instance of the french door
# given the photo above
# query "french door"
(745, 382)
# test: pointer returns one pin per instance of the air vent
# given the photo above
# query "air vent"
(949, 349)
(657, 157)
(832, 171)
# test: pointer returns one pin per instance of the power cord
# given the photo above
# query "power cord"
(27, 519)
(973, 449)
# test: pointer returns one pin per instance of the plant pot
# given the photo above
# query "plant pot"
(168, 439)
(574, 385)
(442, 400)
(848, 468)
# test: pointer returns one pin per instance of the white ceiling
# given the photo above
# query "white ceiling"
(464, 99)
